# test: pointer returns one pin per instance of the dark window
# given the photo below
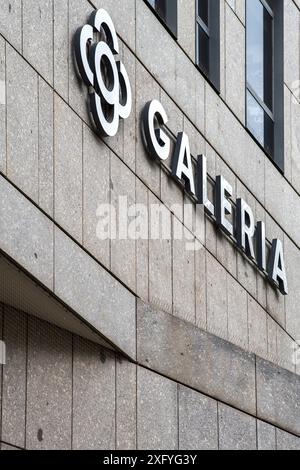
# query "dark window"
(208, 39)
(264, 75)
(167, 12)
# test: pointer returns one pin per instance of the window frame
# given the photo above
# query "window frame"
(201, 24)
(172, 31)
(277, 114)
(212, 30)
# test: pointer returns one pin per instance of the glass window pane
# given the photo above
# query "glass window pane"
(255, 41)
(268, 60)
(161, 8)
(260, 124)
(203, 10)
(260, 51)
(203, 50)
(255, 118)
(167, 10)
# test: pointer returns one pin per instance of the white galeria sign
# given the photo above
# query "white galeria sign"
(110, 95)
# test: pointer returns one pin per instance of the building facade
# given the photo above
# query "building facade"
(179, 326)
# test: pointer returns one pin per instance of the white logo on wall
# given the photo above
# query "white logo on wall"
(97, 57)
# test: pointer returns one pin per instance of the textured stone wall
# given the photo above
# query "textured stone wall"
(60, 391)
(46, 134)
(55, 172)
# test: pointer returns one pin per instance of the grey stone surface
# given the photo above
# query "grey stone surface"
(189, 88)
(211, 233)
(186, 27)
(278, 394)
(292, 260)
(297, 3)
(93, 414)
(68, 169)
(122, 192)
(286, 441)
(194, 218)
(257, 325)
(96, 164)
(172, 67)
(160, 256)
(49, 387)
(171, 194)
(240, 9)
(46, 162)
(285, 350)
(247, 274)
(126, 415)
(142, 244)
(266, 436)
(14, 378)
(37, 24)
(222, 49)
(217, 320)
(2, 107)
(61, 47)
(201, 288)
(195, 358)
(123, 15)
(102, 407)
(11, 21)
(7, 447)
(237, 314)
(237, 431)
(232, 4)
(280, 197)
(198, 421)
(164, 67)
(183, 274)
(22, 123)
(291, 43)
(227, 254)
(288, 131)
(262, 281)
(94, 294)
(156, 412)
(293, 145)
(235, 64)
(272, 339)
(26, 234)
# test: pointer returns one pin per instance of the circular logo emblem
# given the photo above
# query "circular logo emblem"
(103, 72)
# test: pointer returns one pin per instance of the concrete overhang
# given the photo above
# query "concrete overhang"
(47, 274)
(21, 292)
